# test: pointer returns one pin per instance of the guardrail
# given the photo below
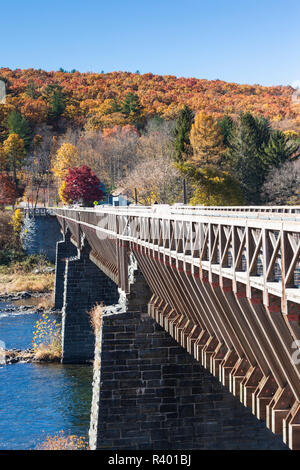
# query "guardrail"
(38, 211)
(277, 213)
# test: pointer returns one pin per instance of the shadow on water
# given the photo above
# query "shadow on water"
(30, 302)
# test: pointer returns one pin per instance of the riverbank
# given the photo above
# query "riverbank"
(30, 282)
(38, 299)
(31, 279)
(20, 272)
(41, 300)
(39, 399)
(34, 275)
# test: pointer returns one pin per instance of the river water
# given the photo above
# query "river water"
(39, 400)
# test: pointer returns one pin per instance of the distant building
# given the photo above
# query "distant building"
(118, 200)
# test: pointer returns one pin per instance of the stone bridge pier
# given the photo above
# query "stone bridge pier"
(79, 286)
(150, 393)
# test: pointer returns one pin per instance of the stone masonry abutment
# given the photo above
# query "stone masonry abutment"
(150, 393)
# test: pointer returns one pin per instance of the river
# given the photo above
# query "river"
(39, 400)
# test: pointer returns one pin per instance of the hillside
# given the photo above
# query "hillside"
(130, 129)
(94, 100)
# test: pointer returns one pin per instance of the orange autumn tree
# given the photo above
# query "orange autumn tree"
(211, 185)
(13, 151)
(66, 157)
(206, 139)
(8, 190)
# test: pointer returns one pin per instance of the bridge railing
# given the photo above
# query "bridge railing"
(244, 211)
(38, 211)
(279, 213)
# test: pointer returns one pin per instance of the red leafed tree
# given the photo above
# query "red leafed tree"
(8, 191)
(81, 185)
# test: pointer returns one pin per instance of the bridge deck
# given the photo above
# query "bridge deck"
(228, 235)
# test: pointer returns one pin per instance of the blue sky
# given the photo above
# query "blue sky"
(243, 41)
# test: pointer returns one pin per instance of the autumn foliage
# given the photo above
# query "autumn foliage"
(105, 100)
(66, 157)
(206, 139)
(8, 192)
(82, 186)
(142, 134)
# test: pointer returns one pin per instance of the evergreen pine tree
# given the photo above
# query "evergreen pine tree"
(133, 109)
(115, 106)
(131, 104)
(56, 100)
(18, 124)
(226, 125)
(280, 149)
(246, 156)
(182, 145)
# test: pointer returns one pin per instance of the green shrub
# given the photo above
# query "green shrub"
(10, 245)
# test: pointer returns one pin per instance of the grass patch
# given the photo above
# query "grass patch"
(26, 265)
(47, 339)
(14, 283)
(96, 317)
(20, 276)
(48, 352)
(17, 270)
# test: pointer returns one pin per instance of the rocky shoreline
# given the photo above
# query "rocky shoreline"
(25, 296)
(19, 296)
(13, 356)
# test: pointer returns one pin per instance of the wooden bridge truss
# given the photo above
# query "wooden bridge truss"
(226, 286)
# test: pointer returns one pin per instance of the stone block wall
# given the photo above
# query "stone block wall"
(139, 292)
(85, 285)
(64, 250)
(149, 393)
(39, 235)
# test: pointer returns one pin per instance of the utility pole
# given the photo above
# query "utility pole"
(184, 192)
(135, 197)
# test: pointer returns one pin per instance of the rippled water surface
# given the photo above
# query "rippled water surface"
(37, 400)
